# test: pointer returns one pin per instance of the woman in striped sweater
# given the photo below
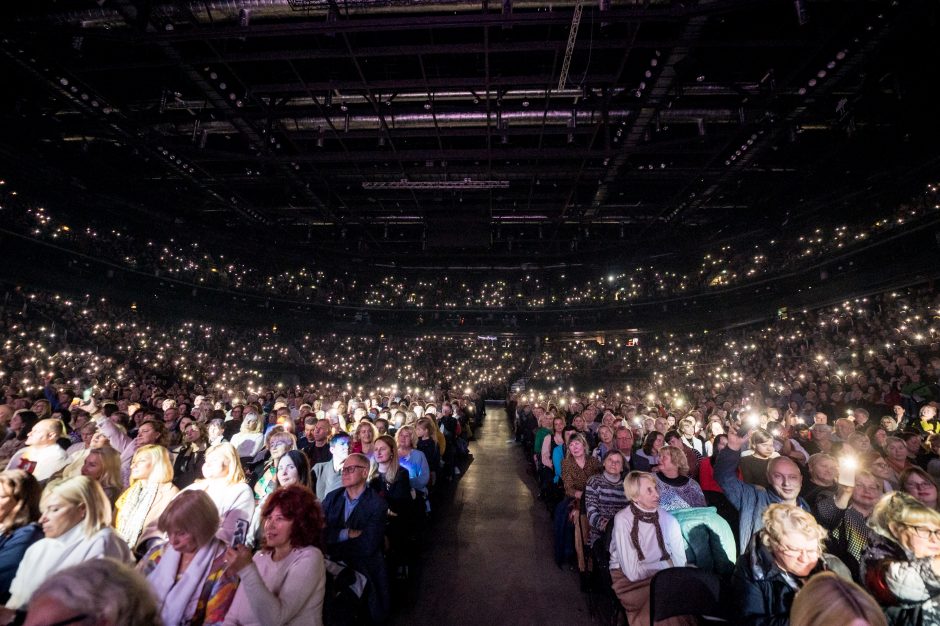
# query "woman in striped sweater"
(604, 496)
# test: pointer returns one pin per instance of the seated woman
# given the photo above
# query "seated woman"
(900, 567)
(78, 451)
(76, 521)
(754, 466)
(104, 465)
(249, 439)
(278, 442)
(846, 516)
(645, 540)
(647, 457)
(603, 495)
(139, 508)
(188, 573)
(19, 512)
(392, 484)
(778, 560)
(225, 483)
(823, 470)
(191, 454)
(286, 581)
(427, 443)
(364, 437)
(896, 456)
(920, 484)
(576, 468)
(292, 469)
(676, 489)
(21, 423)
(605, 442)
(413, 460)
(880, 469)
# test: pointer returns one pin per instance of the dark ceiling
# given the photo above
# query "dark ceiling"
(415, 131)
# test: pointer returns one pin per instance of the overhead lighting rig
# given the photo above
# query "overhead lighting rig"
(418, 185)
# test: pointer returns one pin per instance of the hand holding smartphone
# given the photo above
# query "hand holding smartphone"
(241, 533)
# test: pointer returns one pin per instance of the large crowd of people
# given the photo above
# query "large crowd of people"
(203, 264)
(807, 446)
(771, 457)
(238, 512)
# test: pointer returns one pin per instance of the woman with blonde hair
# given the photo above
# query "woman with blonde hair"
(364, 437)
(224, 482)
(413, 459)
(249, 439)
(139, 508)
(676, 489)
(19, 511)
(778, 560)
(392, 483)
(188, 573)
(828, 599)
(104, 465)
(278, 443)
(900, 566)
(645, 540)
(427, 443)
(76, 521)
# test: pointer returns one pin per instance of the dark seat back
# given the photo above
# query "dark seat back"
(684, 591)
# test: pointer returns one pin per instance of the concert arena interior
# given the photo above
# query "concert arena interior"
(470, 312)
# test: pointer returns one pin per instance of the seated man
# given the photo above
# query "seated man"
(328, 474)
(783, 475)
(355, 530)
(43, 456)
(316, 440)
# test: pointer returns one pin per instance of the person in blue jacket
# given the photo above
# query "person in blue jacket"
(20, 493)
(783, 475)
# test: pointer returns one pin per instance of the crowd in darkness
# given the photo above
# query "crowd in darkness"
(239, 501)
(797, 463)
(204, 264)
(808, 446)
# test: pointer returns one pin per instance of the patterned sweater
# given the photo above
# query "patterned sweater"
(678, 493)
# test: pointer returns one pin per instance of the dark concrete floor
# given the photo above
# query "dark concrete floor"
(489, 559)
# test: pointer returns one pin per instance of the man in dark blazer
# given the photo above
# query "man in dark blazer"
(355, 531)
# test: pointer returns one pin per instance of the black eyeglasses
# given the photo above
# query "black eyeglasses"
(923, 532)
(349, 469)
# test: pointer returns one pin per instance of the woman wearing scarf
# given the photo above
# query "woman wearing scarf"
(139, 508)
(646, 539)
(76, 522)
(188, 573)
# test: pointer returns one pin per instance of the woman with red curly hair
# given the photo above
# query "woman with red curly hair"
(285, 582)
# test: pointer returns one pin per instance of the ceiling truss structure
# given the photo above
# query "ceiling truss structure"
(565, 128)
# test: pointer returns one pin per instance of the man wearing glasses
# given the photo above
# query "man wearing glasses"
(355, 530)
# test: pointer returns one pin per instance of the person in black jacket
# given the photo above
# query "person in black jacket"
(355, 531)
(778, 560)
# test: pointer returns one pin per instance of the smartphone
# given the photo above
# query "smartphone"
(241, 533)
